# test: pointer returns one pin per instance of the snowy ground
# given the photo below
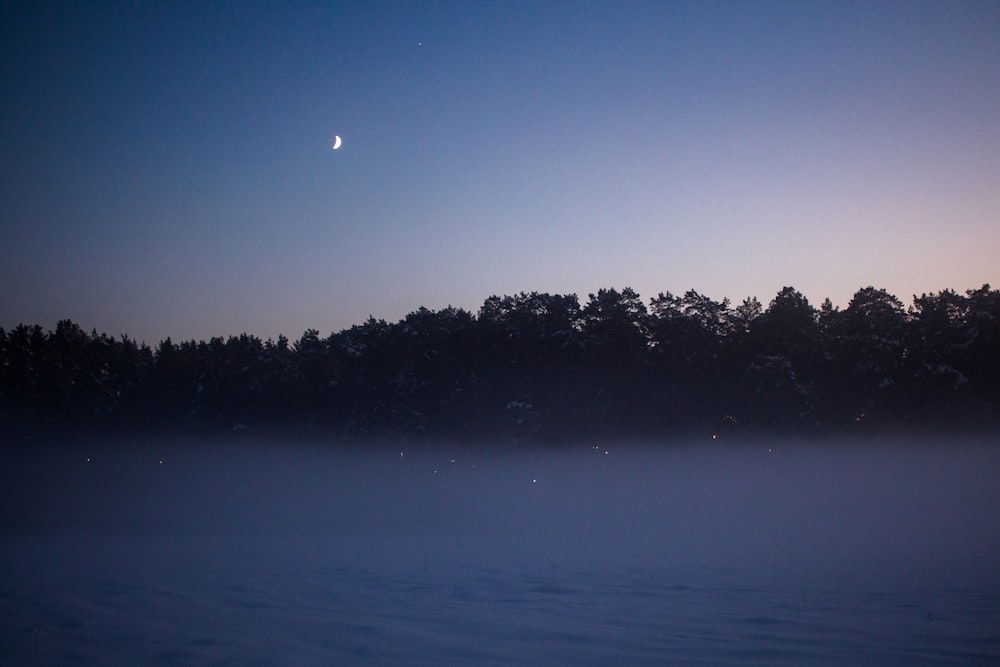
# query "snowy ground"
(264, 555)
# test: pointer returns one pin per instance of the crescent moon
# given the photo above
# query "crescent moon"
(336, 142)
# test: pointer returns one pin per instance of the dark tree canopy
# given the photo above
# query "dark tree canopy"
(535, 365)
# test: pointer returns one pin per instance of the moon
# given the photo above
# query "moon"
(336, 142)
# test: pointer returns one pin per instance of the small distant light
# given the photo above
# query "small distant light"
(88, 459)
(714, 436)
(534, 481)
(161, 461)
(605, 452)
(453, 460)
(435, 472)
(401, 455)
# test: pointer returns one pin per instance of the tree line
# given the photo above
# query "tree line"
(535, 366)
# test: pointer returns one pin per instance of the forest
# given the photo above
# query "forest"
(535, 367)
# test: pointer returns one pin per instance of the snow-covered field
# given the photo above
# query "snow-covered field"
(160, 553)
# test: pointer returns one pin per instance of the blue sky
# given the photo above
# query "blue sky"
(167, 168)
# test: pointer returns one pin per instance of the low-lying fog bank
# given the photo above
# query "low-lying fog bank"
(880, 505)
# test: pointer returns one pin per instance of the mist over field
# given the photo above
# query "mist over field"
(668, 503)
(599, 543)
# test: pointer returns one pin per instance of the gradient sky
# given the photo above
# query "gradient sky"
(167, 170)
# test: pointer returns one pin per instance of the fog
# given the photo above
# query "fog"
(725, 527)
(875, 503)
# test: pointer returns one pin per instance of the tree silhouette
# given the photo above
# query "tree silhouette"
(784, 360)
(535, 365)
(868, 348)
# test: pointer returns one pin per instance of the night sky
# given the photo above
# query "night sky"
(167, 167)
